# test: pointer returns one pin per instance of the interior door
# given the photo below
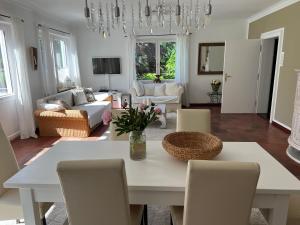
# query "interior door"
(265, 75)
(241, 64)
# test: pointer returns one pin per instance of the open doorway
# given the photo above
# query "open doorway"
(268, 63)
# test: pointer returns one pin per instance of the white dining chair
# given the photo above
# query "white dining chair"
(10, 206)
(197, 120)
(96, 192)
(217, 193)
(294, 210)
(112, 127)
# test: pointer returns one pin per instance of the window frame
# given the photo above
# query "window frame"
(5, 37)
(157, 41)
(55, 36)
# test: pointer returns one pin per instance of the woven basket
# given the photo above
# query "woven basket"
(192, 145)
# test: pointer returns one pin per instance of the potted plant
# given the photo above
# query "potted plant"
(134, 121)
(215, 85)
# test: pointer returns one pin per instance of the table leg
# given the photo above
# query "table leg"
(163, 121)
(278, 214)
(30, 208)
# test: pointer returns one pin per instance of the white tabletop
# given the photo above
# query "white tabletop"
(159, 171)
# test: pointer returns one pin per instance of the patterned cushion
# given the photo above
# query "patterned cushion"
(89, 95)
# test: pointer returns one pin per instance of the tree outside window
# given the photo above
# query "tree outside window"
(157, 57)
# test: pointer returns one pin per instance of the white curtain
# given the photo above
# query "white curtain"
(46, 62)
(22, 89)
(74, 65)
(182, 65)
(131, 59)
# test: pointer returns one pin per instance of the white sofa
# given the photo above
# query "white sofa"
(169, 93)
(78, 121)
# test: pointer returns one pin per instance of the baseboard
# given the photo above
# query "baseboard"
(281, 127)
(14, 136)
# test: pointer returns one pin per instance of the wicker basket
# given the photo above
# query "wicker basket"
(192, 145)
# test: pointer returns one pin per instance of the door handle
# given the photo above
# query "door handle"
(227, 76)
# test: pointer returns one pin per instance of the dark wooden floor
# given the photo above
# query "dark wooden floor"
(228, 127)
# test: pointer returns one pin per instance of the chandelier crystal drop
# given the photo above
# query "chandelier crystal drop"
(146, 16)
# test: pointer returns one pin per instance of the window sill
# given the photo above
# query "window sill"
(8, 97)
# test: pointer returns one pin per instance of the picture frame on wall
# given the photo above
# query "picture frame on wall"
(126, 101)
(34, 57)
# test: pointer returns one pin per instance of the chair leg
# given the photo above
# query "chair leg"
(171, 221)
(145, 216)
(44, 222)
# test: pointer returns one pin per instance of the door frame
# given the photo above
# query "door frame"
(278, 33)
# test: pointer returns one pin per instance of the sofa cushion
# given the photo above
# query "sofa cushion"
(159, 90)
(139, 88)
(89, 94)
(94, 111)
(51, 107)
(79, 97)
(61, 103)
(156, 99)
(149, 89)
(172, 89)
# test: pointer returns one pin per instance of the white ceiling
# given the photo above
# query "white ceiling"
(70, 11)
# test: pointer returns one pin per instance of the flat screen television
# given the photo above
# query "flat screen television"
(106, 66)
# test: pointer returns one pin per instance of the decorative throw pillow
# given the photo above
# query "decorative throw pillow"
(51, 107)
(79, 97)
(159, 90)
(61, 103)
(89, 95)
(149, 89)
(171, 89)
(139, 88)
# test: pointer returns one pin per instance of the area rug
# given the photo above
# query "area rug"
(156, 216)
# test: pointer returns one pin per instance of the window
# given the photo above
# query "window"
(61, 61)
(5, 81)
(155, 57)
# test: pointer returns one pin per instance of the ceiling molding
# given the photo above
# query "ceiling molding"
(274, 8)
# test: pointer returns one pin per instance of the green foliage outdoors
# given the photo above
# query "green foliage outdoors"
(146, 64)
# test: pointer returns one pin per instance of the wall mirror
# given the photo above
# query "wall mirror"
(211, 58)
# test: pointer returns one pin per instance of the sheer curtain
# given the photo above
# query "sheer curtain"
(74, 65)
(22, 89)
(46, 62)
(131, 59)
(182, 65)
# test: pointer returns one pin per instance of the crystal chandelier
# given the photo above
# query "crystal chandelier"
(141, 15)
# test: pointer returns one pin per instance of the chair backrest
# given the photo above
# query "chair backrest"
(8, 162)
(112, 127)
(197, 120)
(95, 191)
(219, 193)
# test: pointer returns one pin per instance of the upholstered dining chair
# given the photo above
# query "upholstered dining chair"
(217, 193)
(10, 206)
(112, 128)
(197, 120)
(294, 210)
(96, 192)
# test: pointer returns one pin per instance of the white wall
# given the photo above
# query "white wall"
(91, 45)
(8, 115)
(217, 31)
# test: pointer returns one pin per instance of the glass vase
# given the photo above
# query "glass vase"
(137, 141)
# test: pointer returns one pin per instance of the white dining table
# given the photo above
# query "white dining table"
(159, 179)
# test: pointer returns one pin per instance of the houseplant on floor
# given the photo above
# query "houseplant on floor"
(134, 121)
